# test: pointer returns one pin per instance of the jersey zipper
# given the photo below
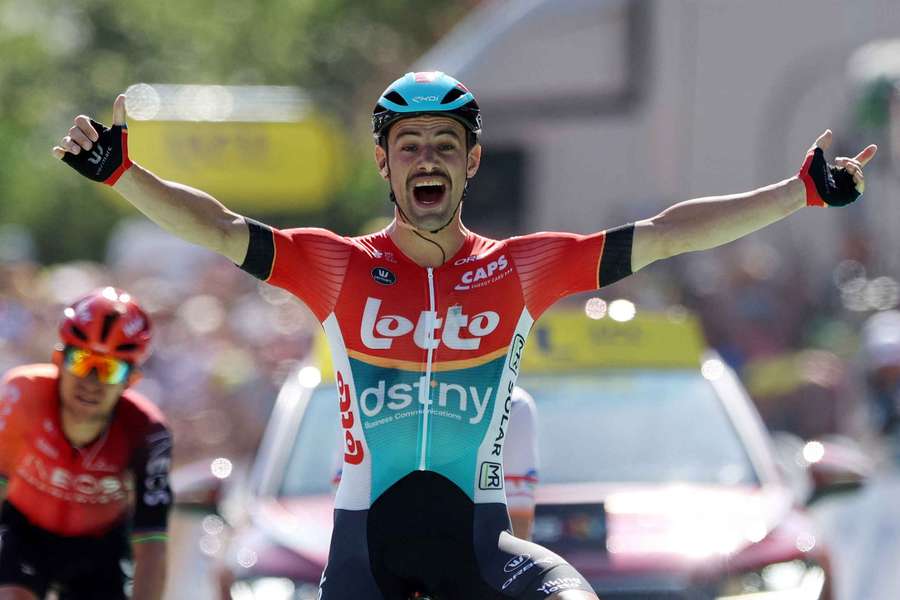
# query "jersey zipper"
(425, 383)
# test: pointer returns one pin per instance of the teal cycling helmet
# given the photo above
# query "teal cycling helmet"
(426, 93)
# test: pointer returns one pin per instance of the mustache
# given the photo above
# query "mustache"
(441, 174)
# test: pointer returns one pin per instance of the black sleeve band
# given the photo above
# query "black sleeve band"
(615, 264)
(260, 250)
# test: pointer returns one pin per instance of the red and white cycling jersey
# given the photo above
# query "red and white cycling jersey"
(426, 358)
(85, 491)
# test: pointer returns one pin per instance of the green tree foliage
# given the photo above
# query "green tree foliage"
(65, 57)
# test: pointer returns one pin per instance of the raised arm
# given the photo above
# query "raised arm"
(101, 154)
(705, 223)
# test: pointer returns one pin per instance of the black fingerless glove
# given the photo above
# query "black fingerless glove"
(826, 185)
(107, 159)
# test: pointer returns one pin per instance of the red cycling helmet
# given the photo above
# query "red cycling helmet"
(108, 321)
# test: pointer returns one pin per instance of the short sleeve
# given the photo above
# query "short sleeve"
(520, 453)
(554, 265)
(153, 498)
(11, 407)
(310, 263)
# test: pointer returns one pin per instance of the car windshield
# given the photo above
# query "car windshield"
(636, 426)
(315, 457)
(623, 427)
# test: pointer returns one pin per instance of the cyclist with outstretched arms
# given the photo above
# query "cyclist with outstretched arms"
(84, 463)
(427, 322)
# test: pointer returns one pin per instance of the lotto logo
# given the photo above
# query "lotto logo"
(378, 331)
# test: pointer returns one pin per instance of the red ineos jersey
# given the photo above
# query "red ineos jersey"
(84, 491)
(426, 358)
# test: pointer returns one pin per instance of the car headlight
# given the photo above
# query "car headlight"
(793, 580)
(273, 588)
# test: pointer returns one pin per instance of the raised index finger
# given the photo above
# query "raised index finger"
(867, 154)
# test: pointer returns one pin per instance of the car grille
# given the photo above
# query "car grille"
(661, 591)
(648, 596)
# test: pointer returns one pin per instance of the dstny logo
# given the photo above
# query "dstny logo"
(377, 331)
(452, 399)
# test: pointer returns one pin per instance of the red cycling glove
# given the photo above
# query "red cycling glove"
(826, 184)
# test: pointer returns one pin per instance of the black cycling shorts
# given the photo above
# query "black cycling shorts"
(425, 535)
(79, 568)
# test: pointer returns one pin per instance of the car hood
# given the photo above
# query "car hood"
(302, 525)
(650, 528)
(685, 527)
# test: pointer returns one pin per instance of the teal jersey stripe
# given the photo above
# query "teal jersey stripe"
(461, 405)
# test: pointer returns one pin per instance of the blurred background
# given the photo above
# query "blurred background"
(596, 112)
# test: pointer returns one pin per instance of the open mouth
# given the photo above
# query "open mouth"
(429, 192)
(86, 399)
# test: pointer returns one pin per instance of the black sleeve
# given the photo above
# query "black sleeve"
(260, 250)
(615, 264)
(152, 493)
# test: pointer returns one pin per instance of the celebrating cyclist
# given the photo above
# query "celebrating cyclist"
(84, 463)
(427, 323)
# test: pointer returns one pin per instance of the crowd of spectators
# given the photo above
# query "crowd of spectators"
(223, 341)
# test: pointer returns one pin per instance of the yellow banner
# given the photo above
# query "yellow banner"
(568, 340)
(258, 166)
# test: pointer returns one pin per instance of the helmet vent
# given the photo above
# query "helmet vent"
(396, 98)
(77, 332)
(126, 347)
(108, 321)
(452, 95)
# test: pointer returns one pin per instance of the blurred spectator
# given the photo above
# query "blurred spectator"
(881, 365)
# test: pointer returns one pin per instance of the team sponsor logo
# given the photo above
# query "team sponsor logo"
(520, 565)
(46, 447)
(101, 465)
(9, 396)
(491, 477)
(388, 256)
(378, 331)
(560, 584)
(515, 562)
(156, 475)
(484, 275)
(61, 483)
(425, 99)
(383, 276)
(134, 326)
(83, 312)
(466, 260)
(353, 448)
(404, 400)
(515, 353)
(497, 449)
(96, 155)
